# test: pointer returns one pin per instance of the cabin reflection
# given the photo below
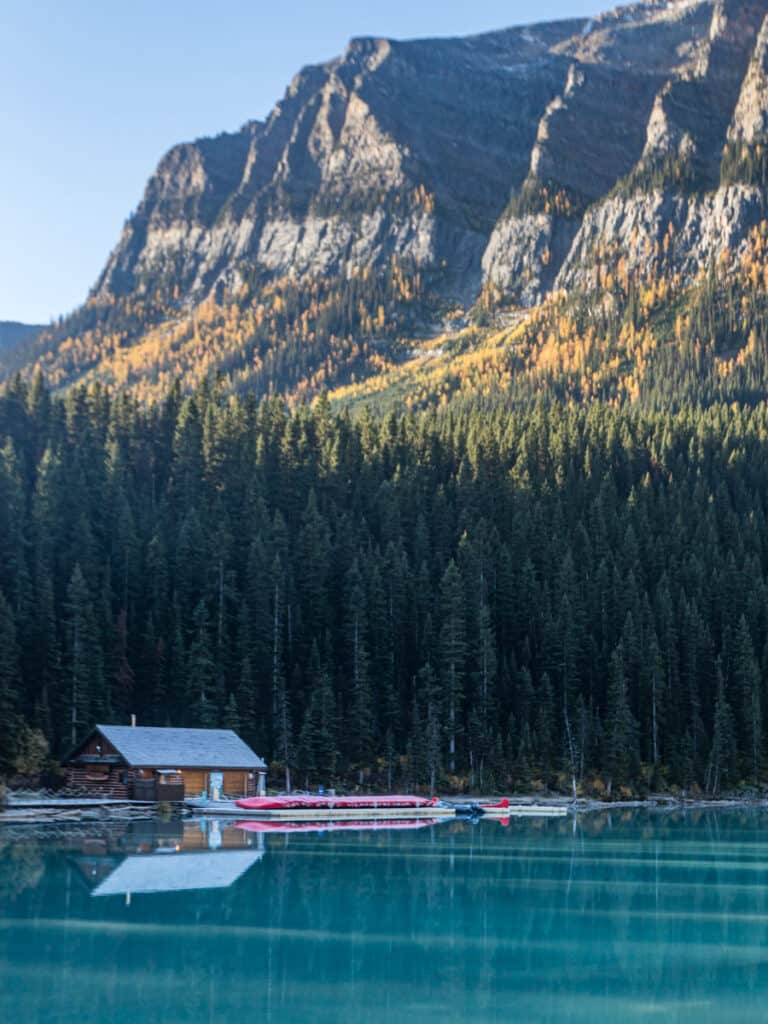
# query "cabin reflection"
(173, 856)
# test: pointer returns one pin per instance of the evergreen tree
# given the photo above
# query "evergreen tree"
(621, 758)
(231, 718)
(745, 675)
(453, 652)
(84, 658)
(318, 740)
(431, 700)
(723, 754)
(10, 722)
(360, 713)
(201, 674)
(484, 689)
(281, 709)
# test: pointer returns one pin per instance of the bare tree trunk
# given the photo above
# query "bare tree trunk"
(452, 722)
(220, 623)
(654, 729)
(569, 735)
(75, 688)
(357, 682)
(275, 649)
(279, 694)
(568, 732)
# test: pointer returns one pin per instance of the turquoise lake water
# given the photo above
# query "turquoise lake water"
(618, 917)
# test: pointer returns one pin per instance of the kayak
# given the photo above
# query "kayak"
(332, 826)
(298, 802)
(476, 810)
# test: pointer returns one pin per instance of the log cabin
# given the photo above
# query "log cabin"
(133, 762)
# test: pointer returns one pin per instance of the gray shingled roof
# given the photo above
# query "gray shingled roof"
(149, 746)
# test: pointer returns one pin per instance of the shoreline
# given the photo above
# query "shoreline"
(96, 811)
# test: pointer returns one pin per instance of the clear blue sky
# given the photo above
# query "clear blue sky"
(92, 92)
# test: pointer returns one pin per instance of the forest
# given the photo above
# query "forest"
(478, 597)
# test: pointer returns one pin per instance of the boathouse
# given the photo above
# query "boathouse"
(147, 763)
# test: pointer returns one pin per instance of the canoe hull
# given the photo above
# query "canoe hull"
(227, 808)
(348, 813)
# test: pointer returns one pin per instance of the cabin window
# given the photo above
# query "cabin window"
(169, 778)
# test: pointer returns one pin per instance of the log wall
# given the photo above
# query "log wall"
(101, 780)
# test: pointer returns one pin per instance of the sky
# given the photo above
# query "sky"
(92, 93)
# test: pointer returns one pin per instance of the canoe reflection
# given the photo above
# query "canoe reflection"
(387, 825)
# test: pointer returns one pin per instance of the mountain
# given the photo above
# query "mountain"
(12, 332)
(562, 196)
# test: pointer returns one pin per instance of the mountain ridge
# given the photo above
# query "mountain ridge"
(12, 332)
(407, 181)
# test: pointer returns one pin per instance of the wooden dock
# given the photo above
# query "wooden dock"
(62, 809)
(228, 808)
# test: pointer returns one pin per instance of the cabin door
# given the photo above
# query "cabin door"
(195, 782)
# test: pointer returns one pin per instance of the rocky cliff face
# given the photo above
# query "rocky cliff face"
(657, 128)
(510, 162)
(395, 148)
(683, 234)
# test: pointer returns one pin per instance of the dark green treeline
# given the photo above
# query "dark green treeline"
(559, 596)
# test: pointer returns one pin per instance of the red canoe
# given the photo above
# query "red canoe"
(327, 803)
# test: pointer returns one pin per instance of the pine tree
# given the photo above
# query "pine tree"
(655, 685)
(10, 721)
(312, 569)
(453, 653)
(318, 740)
(723, 754)
(44, 661)
(567, 647)
(201, 674)
(485, 704)
(417, 744)
(84, 657)
(432, 717)
(231, 718)
(123, 679)
(745, 678)
(281, 708)
(621, 756)
(544, 721)
(360, 713)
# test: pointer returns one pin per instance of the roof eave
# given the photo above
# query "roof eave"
(81, 743)
(199, 767)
